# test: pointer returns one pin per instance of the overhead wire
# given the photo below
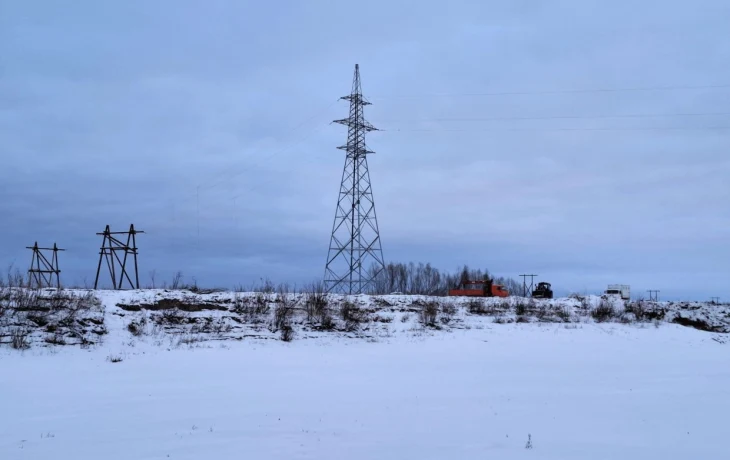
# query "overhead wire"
(547, 92)
(206, 186)
(203, 186)
(257, 186)
(219, 181)
(643, 128)
(563, 117)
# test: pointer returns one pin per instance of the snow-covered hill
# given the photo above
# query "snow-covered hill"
(50, 318)
(180, 375)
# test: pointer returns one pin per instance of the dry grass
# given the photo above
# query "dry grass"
(253, 309)
(287, 333)
(603, 312)
(315, 301)
(429, 313)
(477, 307)
(63, 313)
(19, 338)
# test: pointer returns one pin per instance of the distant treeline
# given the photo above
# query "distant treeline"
(424, 279)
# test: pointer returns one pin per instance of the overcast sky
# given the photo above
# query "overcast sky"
(119, 112)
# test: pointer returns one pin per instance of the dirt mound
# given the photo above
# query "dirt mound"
(167, 304)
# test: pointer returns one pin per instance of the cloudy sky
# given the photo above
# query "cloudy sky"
(584, 141)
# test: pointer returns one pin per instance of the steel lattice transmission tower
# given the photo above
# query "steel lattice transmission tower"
(355, 256)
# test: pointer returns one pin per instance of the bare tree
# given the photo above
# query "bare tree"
(176, 280)
(424, 279)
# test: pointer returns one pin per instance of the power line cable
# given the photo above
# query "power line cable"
(563, 117)
(659, 128)
(203, 186)
(563, 91)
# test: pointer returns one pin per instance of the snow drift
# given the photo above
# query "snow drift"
(76, 317)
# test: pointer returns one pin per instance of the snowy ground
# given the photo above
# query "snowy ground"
(468, 388)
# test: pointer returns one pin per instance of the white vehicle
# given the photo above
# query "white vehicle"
(622, 290)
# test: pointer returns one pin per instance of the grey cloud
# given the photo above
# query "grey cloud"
(118, 113)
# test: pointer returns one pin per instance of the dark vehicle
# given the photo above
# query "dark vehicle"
(542, 291)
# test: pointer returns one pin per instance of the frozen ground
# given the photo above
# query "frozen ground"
(469, 389)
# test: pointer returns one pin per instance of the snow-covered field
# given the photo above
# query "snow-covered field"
(382, 385)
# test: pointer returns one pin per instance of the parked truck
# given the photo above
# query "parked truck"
(479, 288)
(622, 290)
